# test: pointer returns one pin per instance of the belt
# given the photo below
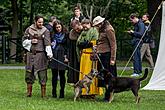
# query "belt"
(87, 52)
(34, 52)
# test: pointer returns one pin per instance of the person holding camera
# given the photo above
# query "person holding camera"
(36, 42)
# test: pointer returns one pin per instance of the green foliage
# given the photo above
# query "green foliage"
(52, 8)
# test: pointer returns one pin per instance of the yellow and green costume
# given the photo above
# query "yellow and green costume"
(86, 64)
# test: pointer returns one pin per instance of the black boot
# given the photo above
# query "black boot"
(54, 82)
(61, 94)
(54, 94)
(62, 83)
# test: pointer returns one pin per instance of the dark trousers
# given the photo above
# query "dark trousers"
(137, 65)
(55, 74)
(105, 60)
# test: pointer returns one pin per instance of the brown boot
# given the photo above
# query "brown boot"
(43, 91)
(29, 90)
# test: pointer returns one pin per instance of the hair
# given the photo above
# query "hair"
(37, 17)
(58, 22)
(85, 21)
(148, 16)
(52, 18)
(133, 15)
(74, 23)
(77, 8)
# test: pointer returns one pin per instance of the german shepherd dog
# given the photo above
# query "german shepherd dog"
(84, 83)
(119, 84)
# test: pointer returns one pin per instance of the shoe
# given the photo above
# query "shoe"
(135, 75)
(54, 96)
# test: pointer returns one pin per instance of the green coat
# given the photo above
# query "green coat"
(89, 35)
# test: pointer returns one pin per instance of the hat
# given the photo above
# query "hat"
(98, 20)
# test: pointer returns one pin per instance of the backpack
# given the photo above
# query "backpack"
(148, 36)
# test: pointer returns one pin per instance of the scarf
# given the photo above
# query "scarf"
(57, 39)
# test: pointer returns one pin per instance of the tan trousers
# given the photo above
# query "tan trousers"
(145, 50)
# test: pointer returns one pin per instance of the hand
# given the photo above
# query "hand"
(34, 41)
(112, 62)
(65, 59)
(95, 47)
(130, 31)
(53, 43)
(50, 56)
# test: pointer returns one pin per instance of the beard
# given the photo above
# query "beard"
(39, 26)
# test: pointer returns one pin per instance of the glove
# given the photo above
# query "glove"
(85, 44)
(49, 51)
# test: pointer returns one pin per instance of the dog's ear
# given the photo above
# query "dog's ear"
(108, 74)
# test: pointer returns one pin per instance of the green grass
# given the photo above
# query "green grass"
(13, 97)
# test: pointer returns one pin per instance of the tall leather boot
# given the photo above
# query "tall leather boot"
(62, 83)
(54, 82)
(29, 90)
(43, 91)
(61, 93)
(54, 86)
(54, 93)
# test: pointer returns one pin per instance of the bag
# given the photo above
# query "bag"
(152, 44)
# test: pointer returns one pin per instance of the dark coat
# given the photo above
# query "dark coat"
(58, 53)
(72, 75)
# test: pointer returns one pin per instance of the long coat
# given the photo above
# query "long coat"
(72, 75)
(59, 51)
(36, 57)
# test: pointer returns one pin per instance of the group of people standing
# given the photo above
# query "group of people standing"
(55, 46)
(141, 38)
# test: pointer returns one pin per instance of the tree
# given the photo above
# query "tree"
(156, 24)
(14, 26)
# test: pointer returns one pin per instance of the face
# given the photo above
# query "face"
(98, 26)
(86, 26)
(144, 18)
(133, 20)
(39, 23)
(77, 12)
(58, 28)
(78, 28)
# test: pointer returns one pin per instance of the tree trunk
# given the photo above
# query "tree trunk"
(31, 12)
(156, 24)
(14, 27)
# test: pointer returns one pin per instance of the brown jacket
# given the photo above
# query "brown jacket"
(38, 60)
(107, 41)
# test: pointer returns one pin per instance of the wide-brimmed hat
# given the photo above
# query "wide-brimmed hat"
(98, 20)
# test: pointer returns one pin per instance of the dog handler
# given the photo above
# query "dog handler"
(106, 48)
(36, 41)
(85, 42)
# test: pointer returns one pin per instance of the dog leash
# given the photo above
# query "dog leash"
(67, 65)
(95, 52)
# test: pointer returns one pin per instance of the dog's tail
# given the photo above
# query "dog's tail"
(145, 75)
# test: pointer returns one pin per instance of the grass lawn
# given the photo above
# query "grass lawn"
(13, 97)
